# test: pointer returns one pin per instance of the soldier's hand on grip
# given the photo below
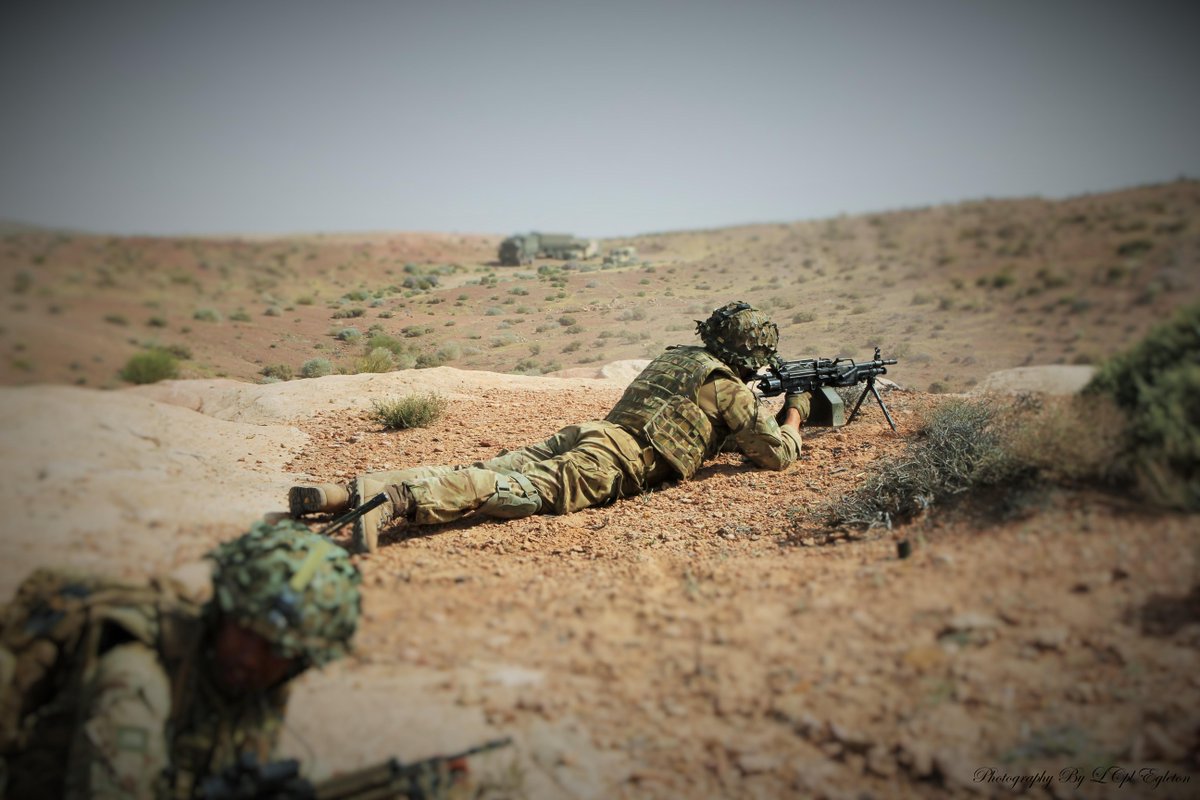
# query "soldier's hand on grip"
(801, 401)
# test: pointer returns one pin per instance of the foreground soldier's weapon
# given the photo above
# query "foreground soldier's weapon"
(280, 780)
(820, 376)
(353, 514)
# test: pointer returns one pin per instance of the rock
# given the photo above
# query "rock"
(813, 776)
(942, 559)
(917, 757)
(880, 762)
(955, 769)
(971, 621)
(851, 740)
(1049, 379)
(971, 627)
(755, 763)
(924, 657)
(1049, 638)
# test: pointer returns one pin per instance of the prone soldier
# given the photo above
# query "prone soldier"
(681, 410)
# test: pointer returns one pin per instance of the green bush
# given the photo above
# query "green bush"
(240, 316)
(378, 360)
(150, 366)
(1156, 386)
(389, 343)
(349, 313)
(207, 315)
(280, 372)
(348, 334)
(316, 368)
(411, 411)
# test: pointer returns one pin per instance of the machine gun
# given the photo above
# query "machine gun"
(280, 780)
(820, 376)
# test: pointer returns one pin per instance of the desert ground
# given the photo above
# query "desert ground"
(711, 638)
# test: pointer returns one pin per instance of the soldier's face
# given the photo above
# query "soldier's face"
(245, 662)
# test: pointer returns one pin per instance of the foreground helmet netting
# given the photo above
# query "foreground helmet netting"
(295, 588)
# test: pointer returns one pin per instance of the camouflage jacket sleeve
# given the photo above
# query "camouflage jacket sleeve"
(752, 428)
(119, 749)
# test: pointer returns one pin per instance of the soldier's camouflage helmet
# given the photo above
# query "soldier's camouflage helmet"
(294, 588)
(740, 335)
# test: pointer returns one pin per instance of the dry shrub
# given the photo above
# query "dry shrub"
(997, 450)
(1066, 439)
(378, 360)
(957, 448)
(411, 411)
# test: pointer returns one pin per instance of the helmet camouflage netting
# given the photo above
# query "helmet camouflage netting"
(740, 335)
(296, 589)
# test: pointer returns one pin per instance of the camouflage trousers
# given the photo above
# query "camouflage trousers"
(578, 467)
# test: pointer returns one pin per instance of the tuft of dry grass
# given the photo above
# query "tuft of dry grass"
(410, 411)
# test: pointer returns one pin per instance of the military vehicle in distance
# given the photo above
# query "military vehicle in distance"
(523, 248)
(619, 256)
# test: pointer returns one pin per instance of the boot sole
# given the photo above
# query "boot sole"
(305, 500)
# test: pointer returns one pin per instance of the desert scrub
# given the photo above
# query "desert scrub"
(150, 366)
(957, 449)
(1156, 387)
(279, 372)
(378, 360)
(350, 334)
(997, 450)
(349, 313)
(410, 411)
(316, 368)
(207, 315)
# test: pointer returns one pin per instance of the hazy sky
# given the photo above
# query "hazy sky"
(601, 118)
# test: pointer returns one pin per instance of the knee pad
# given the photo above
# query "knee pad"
(507, 503)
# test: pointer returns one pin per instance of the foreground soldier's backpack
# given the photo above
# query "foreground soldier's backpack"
(50, 634)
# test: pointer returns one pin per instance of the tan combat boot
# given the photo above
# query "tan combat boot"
(398, 508)
(323, 498)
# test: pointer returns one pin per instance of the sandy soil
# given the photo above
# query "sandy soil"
(708, 639)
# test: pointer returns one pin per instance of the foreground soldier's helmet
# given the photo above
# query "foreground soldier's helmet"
(294, 588)
(740, 335)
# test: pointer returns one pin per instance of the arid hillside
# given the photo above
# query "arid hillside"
(954, 291)
(711, 638)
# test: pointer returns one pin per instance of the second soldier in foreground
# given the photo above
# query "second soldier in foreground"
(681, 410)
(150, 695)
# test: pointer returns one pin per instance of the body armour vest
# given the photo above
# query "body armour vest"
(660, 406)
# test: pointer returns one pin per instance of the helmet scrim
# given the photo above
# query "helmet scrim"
(294, 588)
(740, 335)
